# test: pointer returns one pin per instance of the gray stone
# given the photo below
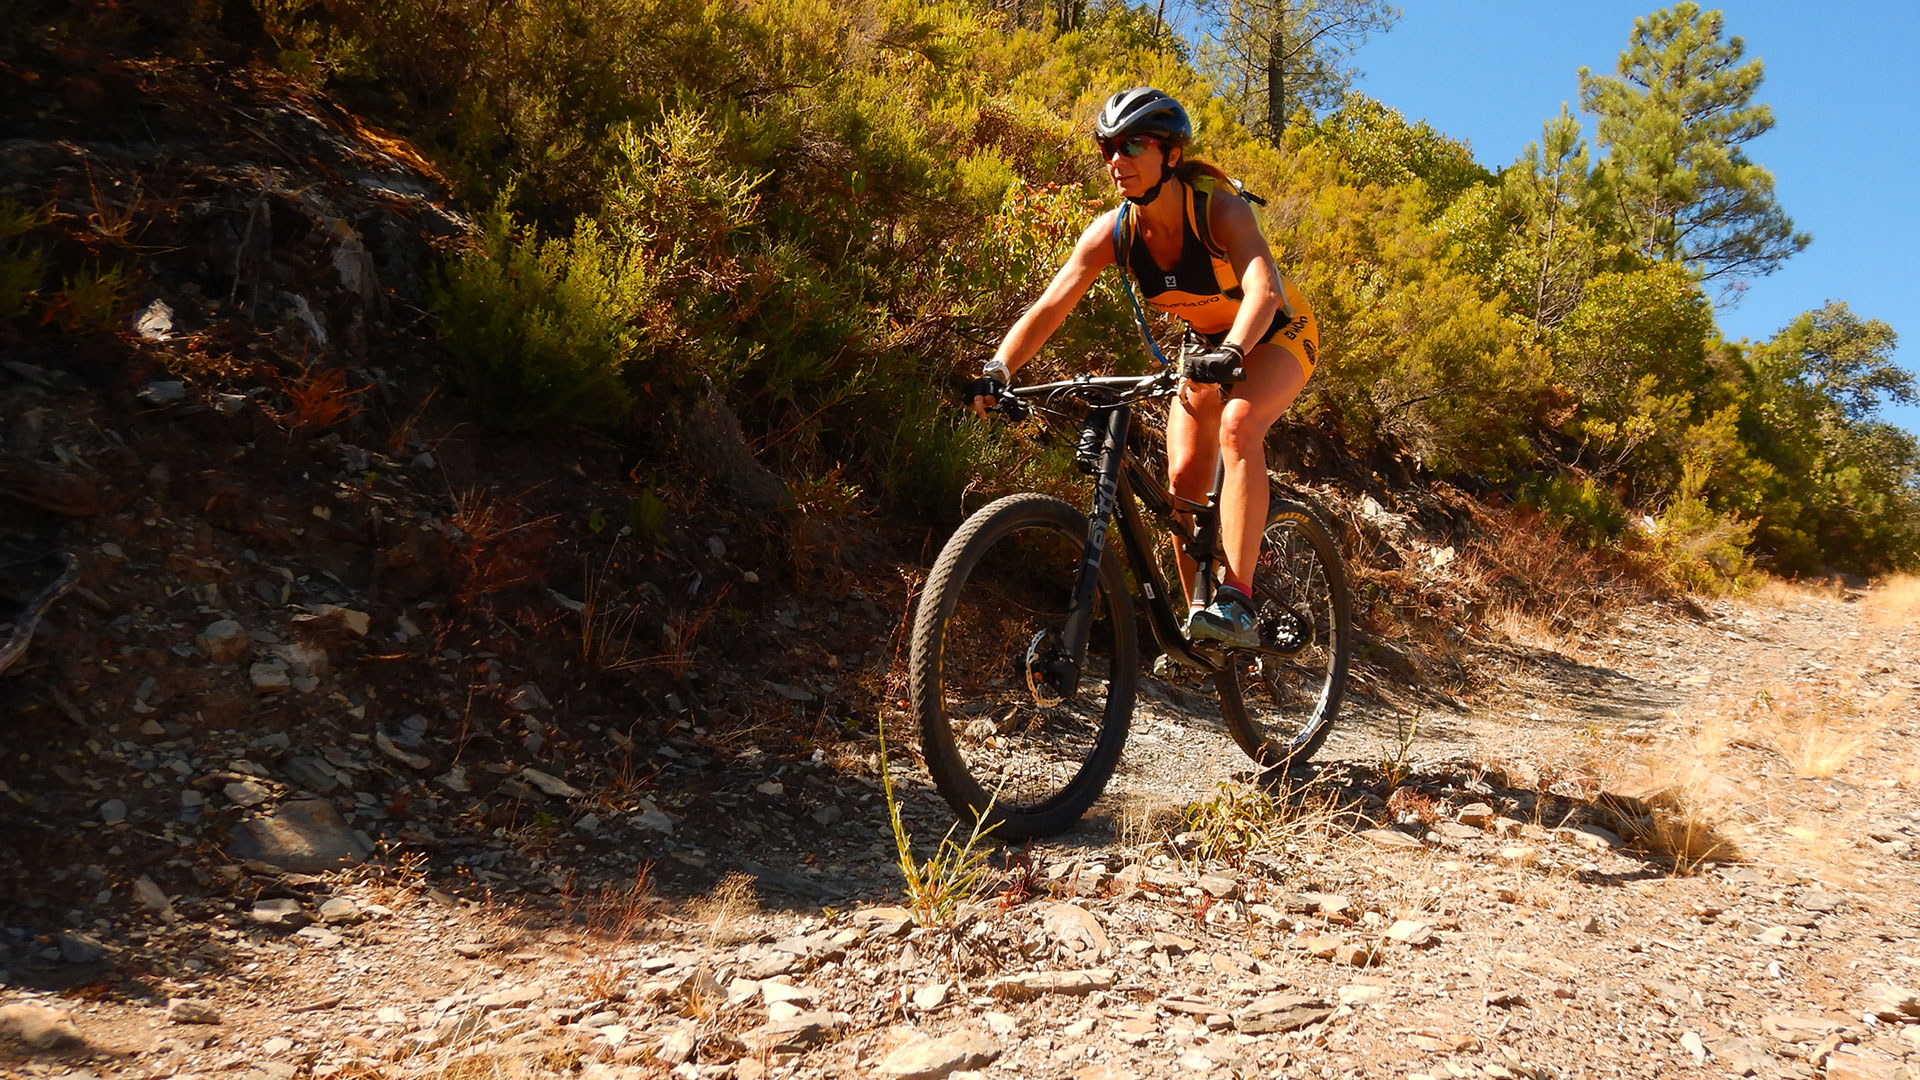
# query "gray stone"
(1479, 815)
(305, 836)
(527, 697)
(1852, 1064)
(163, 391)
(1824, 903)
(1411, 931)
(247, 793)
(224, 640)
(340, 909)
(926, 1058)
(113, 811)
(1220, 886)
(888, 921)
(1797, 1029)
(1280, 1012)
(550, 784)
(78, 948)
(678, 1047)
(1889, 1002)
(269, 677)
(797, 1033)
(281, 914)
(1392, 839)
(1076, 928)
(1037, 983)
(39, 1026)
(385, 745)
(192, 1011)
(151, 897)
(312, 774)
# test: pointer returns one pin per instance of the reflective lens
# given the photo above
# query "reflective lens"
(1131, 146)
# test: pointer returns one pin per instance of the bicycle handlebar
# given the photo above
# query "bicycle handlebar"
(1093, 389)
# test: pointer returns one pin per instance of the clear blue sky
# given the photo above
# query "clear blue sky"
(1843, 79)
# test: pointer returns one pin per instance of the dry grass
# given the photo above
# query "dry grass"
(1894, 602)
(722, 914)
(1744, 783)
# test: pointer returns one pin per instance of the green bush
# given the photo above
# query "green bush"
(542, 330)
(1582, 509)
(1698, 547)
(23, 266)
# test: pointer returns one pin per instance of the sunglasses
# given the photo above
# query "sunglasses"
(1131, 146)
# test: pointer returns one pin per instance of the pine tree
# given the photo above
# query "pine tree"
(1550, 196)
(1673, 122)
(1275, 57)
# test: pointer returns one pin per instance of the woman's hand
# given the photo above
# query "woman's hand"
(984, 392)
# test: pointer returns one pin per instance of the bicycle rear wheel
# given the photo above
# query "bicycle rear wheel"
(1000, 738)
(1280, 702)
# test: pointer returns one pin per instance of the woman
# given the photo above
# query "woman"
(1192, 244)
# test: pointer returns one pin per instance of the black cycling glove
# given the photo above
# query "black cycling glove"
(992, 383)
(1225, 365)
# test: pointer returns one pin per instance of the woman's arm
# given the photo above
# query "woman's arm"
(1231, 221)
(1092, 253)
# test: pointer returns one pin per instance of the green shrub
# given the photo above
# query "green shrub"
(541, 330)
(1582, 509)
(1698, 547)
(23, 266)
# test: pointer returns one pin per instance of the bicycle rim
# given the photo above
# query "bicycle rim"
(994, 728)
(1281, 705)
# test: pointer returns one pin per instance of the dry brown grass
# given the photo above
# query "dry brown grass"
(1894, 602)
(1745, 782)
(722, 914)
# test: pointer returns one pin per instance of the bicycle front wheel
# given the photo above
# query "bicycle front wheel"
(1006, 730)
(1280, 701)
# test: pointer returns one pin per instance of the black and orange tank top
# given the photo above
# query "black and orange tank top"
(1201, 286)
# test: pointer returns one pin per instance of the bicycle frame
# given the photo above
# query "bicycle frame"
(1121, 484)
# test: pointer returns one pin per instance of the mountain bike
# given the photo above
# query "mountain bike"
(1025, 651)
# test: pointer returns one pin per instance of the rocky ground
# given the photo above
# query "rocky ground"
(1684, 849)
(346, 739)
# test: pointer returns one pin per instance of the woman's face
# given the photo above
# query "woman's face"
(1132, 176)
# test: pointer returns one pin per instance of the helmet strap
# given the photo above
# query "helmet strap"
(1152, 193)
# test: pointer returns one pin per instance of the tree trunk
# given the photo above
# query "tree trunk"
(1277, 80)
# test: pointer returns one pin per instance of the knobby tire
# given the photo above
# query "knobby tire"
(1281, 709)
(992, 746)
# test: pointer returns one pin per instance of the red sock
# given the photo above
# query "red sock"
(1238, 586)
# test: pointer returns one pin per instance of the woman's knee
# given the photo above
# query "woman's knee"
(1243, 434)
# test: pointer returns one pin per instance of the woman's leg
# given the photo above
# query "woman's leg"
(1193, 448)
(1275, 377)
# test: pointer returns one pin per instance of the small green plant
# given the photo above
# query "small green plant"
(937, 887)
(1240, 822)
(1582, 509)
(90, 301)
(1396, 759)
(1698, 547)
(23, 266)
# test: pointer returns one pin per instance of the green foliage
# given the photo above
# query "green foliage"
(1584, 510)
(1838, 485)
(935, 888)
(1378, 146)
(1634, 351)
(1673, 122)
(23, 265)
(829, 209)
(91, 299)
(1697, 546)
(541, 330)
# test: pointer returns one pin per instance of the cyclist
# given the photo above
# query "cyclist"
(1191, 242)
